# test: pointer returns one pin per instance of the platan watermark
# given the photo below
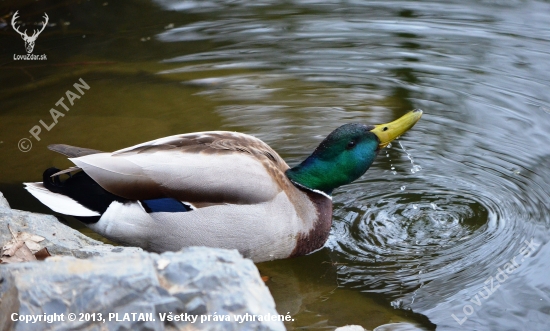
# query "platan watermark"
(493, 283)
(25, 144)
(29, 40)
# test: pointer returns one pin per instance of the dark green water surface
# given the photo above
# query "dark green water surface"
(439, 213)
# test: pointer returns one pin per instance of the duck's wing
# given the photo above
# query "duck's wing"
(205, 167)
(72, 151)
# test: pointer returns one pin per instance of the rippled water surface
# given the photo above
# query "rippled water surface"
(439, 214)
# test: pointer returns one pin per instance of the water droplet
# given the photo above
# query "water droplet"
(516, 171)
(394, 172)
(415, 206)
(389, 145)
(397, 303)
(434, 206)
(392, 168)
(403, 188)
(415, 168)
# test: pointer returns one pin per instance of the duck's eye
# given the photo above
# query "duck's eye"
(385, 128)
(351, 144)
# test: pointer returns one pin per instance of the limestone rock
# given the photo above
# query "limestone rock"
(59, 238)
(350, 328)
(208, 283)
(3, 202)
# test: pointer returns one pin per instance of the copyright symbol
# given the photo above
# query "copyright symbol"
(24, 145)
(71, 316)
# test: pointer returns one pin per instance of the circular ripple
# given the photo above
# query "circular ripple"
(437, 228)
(416, 225)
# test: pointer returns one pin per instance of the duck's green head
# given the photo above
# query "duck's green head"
(347, 152)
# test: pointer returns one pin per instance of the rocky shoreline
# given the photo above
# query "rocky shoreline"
(125, 288)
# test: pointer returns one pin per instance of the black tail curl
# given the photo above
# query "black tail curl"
(83, 189)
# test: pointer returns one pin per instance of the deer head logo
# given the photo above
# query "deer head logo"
(29, 41)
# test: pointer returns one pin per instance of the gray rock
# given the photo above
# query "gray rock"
(3, 202)
(59, 238)
(208, 284)
(350, 328)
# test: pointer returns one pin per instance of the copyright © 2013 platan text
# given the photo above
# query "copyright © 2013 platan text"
(144, 317)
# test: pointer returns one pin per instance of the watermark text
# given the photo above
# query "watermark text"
(493, 283)
(64, 103)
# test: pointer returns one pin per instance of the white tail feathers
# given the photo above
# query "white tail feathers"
(58, 202)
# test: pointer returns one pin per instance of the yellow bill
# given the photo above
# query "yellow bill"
(389, 131)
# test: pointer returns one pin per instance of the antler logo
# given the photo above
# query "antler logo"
(29, 41)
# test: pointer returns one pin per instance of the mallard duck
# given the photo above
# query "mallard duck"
(217, 189)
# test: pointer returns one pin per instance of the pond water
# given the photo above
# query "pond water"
(438, 219)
